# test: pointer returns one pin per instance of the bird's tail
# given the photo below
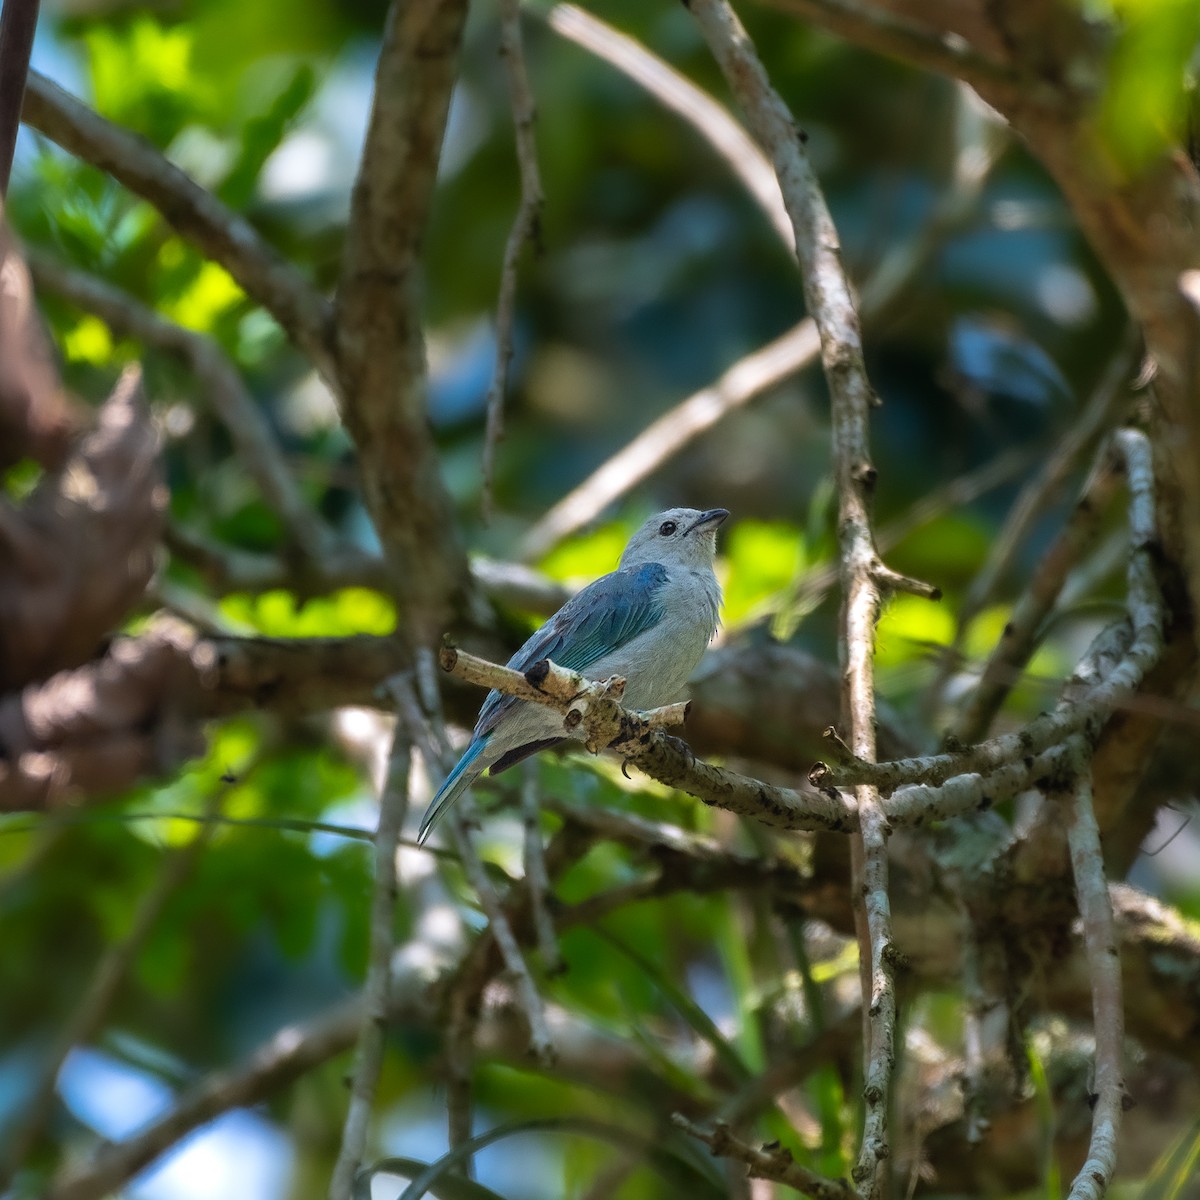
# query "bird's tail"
(464, 774)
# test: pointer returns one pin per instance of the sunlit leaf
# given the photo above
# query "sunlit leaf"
(1144, 107)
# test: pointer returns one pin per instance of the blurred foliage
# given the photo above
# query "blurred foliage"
(657, 272)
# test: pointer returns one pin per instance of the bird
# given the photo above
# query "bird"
(648, 621)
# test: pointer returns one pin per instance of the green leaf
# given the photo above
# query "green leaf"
(1144, 109)
(262, 134)
(764, 558)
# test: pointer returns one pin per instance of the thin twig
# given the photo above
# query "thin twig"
(747, 379)
(766, 1162)
(18, 21)
(196, 214)
(876, 28)
(526, 227)
(227, 569)
(765, 368)
(864, 578)
(1100, 412)
(954, 494)
(222, 384)
(393, 807)
(709, 118)
(536, 878)
(1108, 1014)
(540, 1042)
(1020, 633)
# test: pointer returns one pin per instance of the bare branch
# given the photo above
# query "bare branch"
(710, 119)
(526, 227)
(1102, 410)
(748, 378)
(829, 301)
(195, 213)
(875, 28)
(433, 747)
(765, 368)
(220, 379)
(380, 345)
(227, 569)
(393, 807)
(1108, 1014)
(536, 878)
(1025, 622)
(767, 1162)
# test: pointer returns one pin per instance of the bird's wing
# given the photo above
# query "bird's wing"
(602, 618)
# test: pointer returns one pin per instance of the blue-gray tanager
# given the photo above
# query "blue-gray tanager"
(649, 621)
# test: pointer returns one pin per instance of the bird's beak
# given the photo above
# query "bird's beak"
(710, 518)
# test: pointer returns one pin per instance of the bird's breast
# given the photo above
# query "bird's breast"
(657, 664)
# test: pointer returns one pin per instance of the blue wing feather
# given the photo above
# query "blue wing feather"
(601, 618)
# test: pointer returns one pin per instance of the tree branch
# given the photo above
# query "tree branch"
(768, 1162)
(593, 712)
(196, 214)
(526, 227)
(220, 380)
(393, 806)
(380, 346)
(1108, 1014)
(864, 578)
(18, 21)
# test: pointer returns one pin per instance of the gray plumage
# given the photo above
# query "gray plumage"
(649, 621)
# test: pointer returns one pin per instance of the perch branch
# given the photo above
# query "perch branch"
(592, 711)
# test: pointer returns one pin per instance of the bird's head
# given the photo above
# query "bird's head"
(681, 536)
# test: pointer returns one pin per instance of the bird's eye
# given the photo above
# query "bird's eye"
(667, 528)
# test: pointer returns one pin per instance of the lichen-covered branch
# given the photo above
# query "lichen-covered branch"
(1108, 1013)
(864, 578)
(593, 711)
(767, 1162)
